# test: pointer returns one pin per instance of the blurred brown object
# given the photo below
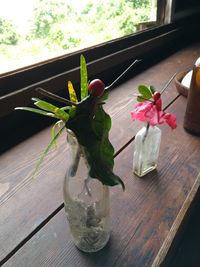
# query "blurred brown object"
(182, 89)
(192, 114)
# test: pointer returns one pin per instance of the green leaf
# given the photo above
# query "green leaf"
(35, 99)
(72, 93)
(101, 126)
(47, 150)
(101, 155)
(66, 108)
(72, 111)
(140, 99)
(104, 96)
(44, 105)
(38, 111)
(91, 125)
(53, 130)
(152, 88)
(84, 77)
(60, 114)
(107, 175)
(145, 92)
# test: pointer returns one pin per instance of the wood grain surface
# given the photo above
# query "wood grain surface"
(163, 256)
(141, 217)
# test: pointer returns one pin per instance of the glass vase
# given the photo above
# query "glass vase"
(146, 150)
(86, 201)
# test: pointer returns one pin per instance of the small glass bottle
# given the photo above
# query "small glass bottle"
(86, 201)
(192, 114)
(146, 150)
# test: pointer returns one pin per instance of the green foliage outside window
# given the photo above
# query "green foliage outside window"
(57, 26)
(8, 36)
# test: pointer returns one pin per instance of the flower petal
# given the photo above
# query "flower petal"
(139, 113)
(170, 119)
(152, 116)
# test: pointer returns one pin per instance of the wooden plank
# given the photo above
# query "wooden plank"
(164, 252)
(186, 251)
(30, 201)
(142, 216)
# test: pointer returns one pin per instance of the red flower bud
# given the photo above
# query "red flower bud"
(156, 96)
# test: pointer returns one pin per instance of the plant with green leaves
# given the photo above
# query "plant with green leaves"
(88, 121)
(8, 35)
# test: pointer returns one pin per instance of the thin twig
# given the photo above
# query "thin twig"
(123, 73)
(55, 97)
(86, 186)
(76, 161)
(167, 84)
(146, 132)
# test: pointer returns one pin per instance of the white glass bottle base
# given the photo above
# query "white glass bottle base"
(143, 171)
(146, 152)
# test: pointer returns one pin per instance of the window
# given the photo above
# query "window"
(45, 29)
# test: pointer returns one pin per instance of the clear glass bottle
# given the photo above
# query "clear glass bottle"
(146, 150)
(86, 201)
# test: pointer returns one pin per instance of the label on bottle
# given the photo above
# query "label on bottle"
(198, 79)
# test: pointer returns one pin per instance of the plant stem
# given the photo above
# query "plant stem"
(86, 186)
(55, 97)
(74, 166)
(147, 129)
(123, 73)
(167, 84)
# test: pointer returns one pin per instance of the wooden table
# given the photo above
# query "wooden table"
(145, 218)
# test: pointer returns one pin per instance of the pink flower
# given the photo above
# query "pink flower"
(152, 113)
(139, 113)
(170, 119)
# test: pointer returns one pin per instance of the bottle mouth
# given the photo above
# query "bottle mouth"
(71, 132)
